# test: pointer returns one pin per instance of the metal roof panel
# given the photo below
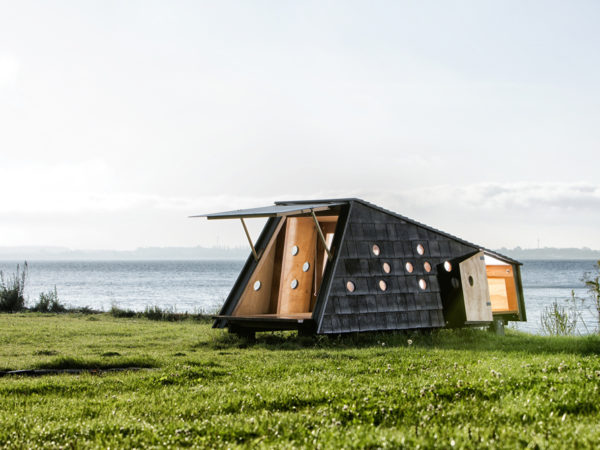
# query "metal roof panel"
(271, 211)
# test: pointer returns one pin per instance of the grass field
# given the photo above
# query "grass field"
(200, 387)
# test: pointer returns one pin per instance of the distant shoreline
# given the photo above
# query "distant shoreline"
(550, 253)
(236, 253)
(139, 254)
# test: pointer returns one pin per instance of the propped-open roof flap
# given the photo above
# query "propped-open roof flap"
(272, 211)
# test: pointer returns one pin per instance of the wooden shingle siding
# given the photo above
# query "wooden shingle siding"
(403, 305)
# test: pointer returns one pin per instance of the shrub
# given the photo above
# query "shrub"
(158, 313)
(115, 311)
(558, 321)
(49, 303)
(84, 310)
(155, 313)
(12, 290)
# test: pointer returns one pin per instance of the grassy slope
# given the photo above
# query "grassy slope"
(209, 389)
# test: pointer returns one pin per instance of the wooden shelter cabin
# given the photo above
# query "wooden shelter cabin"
(346, 265)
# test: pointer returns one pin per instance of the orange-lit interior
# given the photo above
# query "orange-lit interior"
(503, 291)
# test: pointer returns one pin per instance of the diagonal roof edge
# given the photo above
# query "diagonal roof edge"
(276, 210)
(407, 219)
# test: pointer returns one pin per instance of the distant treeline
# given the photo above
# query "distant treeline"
(550, 253)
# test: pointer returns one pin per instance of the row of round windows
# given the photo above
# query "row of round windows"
(351, 287)
(377, 251)
(385, 266)
(257, 284)
(294, 284)
(410, 268)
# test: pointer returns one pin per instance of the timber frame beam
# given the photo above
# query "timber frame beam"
(256, 256)
(329, 255)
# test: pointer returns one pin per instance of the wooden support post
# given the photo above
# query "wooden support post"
(497, 326)
(249, 239)
(323, 241)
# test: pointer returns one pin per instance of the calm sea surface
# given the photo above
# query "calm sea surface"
(202, 286)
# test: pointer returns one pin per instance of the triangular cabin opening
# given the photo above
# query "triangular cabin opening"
(280, 284)
(288, 276)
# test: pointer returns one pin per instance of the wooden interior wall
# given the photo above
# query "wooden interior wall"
(277, 268)
(277, 272)
(503, 290)
(328, 228)
(300, 232)
(258, 302)
(478, 307)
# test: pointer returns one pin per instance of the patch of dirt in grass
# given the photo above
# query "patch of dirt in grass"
(67, 362)
(45, 353)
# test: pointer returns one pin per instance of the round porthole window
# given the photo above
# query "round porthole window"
(386, 267)
(427, 266)
(295, 250)
(257, 285)
(294, 284)
(376, 250)
(422, 284)
(382, 285)
(447, 266)
(409, 267)
(420, 249)
(350, 286)
(305, 266)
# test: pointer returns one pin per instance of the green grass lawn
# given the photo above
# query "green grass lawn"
(204, 388)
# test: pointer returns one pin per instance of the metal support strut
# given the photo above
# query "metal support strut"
(329, 255)
(249, 239)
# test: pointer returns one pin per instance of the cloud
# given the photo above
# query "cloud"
(93, 186)
(518, 197)
(492, 214)
(9, 71)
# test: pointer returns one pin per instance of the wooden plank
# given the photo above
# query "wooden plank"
(277, 272)
(499, 271)
(478, 307)
(498, 295)
(294, 316)
(522, 313)
(258, 302)
(300, 232)
(511, 290)
(323, 219)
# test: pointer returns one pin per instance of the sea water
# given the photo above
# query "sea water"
(202, 286)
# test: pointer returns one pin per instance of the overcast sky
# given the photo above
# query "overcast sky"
(120, 119)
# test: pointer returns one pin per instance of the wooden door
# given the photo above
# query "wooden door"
(478, 307)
